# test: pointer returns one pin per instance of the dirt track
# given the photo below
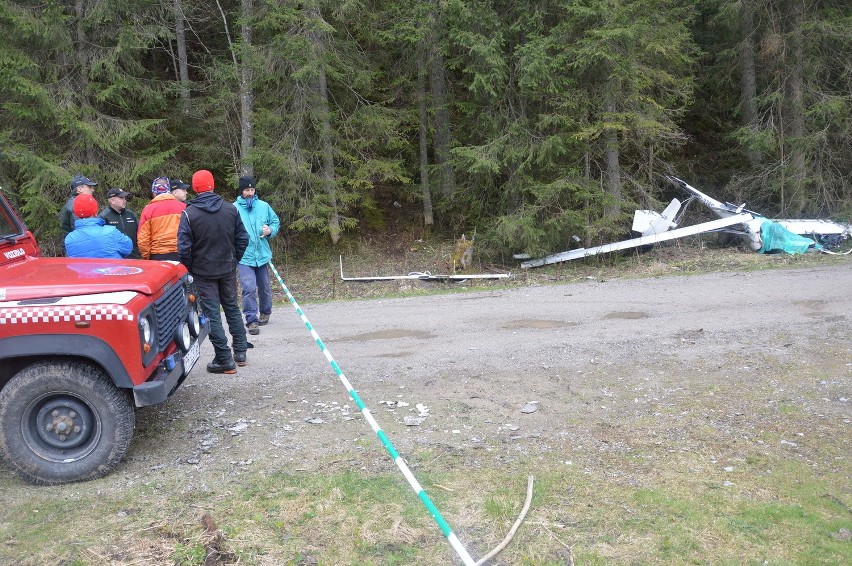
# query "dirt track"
(602, 366)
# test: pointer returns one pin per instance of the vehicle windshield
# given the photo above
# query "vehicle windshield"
(9, 226)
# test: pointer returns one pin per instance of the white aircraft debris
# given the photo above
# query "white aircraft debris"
(760, 234)
(423, 276)
(823, 233)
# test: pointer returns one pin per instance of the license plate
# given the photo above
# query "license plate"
(191, 357)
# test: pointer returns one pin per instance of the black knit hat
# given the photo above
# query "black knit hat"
(246, 183)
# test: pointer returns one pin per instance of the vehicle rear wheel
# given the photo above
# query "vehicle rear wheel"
(64, 422)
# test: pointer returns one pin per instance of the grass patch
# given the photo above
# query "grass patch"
(648, 516)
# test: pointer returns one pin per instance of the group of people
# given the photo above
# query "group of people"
(216, 240)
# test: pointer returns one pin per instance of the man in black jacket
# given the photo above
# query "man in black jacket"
(116, 214)
(211, 241)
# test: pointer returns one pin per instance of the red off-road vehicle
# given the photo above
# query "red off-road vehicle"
(83, 342)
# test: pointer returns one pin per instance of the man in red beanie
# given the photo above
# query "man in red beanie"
(211, 241)
(90, 237)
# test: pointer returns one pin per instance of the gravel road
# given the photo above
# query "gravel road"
(492, 376)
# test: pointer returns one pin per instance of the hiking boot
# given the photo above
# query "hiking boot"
(253, 329)
(240, 358)
(222, 365)
(264, 319)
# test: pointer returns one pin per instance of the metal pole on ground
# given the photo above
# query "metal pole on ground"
(455, 543)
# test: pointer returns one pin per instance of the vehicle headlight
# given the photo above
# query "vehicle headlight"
(148, 335)
(145, 326)
(194, 322)
(183, 338)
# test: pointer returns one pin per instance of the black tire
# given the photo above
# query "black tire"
(46, 399)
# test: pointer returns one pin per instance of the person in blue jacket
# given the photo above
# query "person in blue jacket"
(262, 224)
(91, 237)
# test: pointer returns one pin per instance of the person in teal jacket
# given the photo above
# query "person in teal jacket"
(262, 224)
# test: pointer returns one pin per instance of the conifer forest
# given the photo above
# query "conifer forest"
(524, 121)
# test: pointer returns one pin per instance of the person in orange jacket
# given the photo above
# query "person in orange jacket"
(158, 223)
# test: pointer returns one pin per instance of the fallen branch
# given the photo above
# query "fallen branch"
(514, 528)
(554, 525)
(432, 461)
(556, 538)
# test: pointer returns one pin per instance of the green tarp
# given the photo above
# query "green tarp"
(776, 238)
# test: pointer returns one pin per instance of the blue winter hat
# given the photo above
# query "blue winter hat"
(160, 186)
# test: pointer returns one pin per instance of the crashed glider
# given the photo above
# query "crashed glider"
(759, 233)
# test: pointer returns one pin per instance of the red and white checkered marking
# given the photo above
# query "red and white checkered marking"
(53, 313)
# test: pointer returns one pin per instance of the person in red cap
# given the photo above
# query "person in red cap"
(90, 237)
(211, 241)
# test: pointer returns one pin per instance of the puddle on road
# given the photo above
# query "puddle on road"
(478, 297)
(403, 354)
(536, 323)
(387, 335)
(628, 315)
(812, 304)
(818, 309)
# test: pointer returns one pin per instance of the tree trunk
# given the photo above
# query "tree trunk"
(183, 66)
(246, 93)
(82, 86)
(748, 79)
(438, 88)
(651, 162)
(587, 172)
(611, 158)
(236, 150)
(428, 218)
(328, 180)
(794, 107)
(321, 110)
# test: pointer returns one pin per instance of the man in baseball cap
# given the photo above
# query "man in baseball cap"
(179, 189)
(117, 214)
(116, 192)
(79, 181)
(80, 185)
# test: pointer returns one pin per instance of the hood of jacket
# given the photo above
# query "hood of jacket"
(247, 204)
(164, 196)
(91, 221)
(207, 201)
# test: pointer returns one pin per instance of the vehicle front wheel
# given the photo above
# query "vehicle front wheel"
(63, 422)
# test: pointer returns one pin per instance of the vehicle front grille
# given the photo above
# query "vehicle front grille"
(170, 310)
